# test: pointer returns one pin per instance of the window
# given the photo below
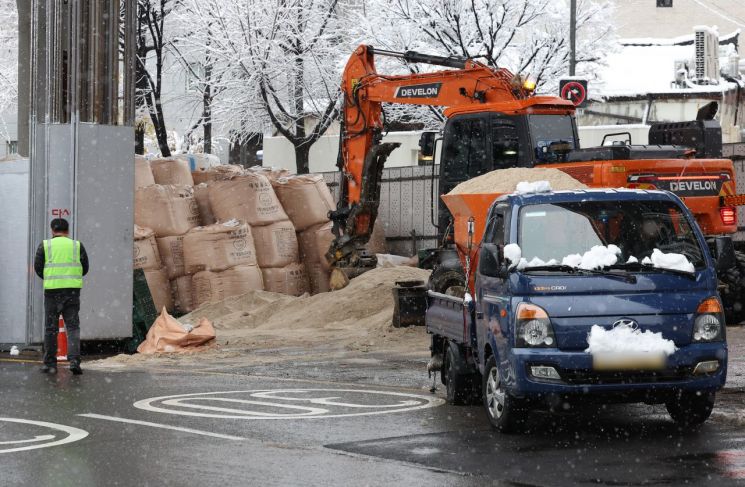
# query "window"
(505, 144)
(664, 3)
(546, 130)
(477, 163)
(464, 154)
(495, 231)
(637, 228)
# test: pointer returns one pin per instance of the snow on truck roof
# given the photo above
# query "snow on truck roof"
(589, 193)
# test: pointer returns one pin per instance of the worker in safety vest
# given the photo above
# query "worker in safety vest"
(62, 263)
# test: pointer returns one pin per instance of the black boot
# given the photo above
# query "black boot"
(75, 368)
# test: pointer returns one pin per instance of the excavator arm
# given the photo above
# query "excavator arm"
(361, 153)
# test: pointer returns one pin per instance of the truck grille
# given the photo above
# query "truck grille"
(594, 377)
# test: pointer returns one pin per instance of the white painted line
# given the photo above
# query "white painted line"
(159, 425)
(73, 434)
(406, 402)
(306, 411)
(30, 440)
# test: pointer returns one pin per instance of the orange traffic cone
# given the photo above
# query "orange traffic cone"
(61, 341)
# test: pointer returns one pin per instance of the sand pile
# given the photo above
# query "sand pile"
(356, 318)
(348, 318)
(505, 180)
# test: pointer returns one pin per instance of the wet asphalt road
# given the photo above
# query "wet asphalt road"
(326, 424)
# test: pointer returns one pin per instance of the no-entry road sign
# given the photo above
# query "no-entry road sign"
(574, 90)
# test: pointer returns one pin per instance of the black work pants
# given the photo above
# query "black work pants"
(67, 304)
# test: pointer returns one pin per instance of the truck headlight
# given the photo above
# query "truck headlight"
(708, 325)
(533, 327)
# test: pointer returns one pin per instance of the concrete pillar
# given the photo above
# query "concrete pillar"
(24, 74)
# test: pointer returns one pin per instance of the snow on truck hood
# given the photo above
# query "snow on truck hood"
(598, 257)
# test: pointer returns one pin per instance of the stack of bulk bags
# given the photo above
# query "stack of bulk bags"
(146, 257)
(307, 201)
(217, 255)
(252, 199)
(170, 211)
(143, 173)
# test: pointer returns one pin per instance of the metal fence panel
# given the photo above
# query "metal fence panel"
(406, 203)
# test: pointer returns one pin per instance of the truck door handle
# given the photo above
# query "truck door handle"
(479, 315)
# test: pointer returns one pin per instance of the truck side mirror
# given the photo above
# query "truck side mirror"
(491, 261)
(427, 143)
(724, 253)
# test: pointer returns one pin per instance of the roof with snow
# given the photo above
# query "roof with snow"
(647, 66)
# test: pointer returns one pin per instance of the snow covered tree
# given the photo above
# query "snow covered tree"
(152, 41)
(8, 62)
(277, 62)
(524, 36)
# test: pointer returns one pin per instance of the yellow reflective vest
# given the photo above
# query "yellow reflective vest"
(62, 267)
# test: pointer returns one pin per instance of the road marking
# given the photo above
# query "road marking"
(73, 434)
(163, 426)
(30, 440)
(189, 404)
(307, 411)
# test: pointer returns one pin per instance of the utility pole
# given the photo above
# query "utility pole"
(572, 37)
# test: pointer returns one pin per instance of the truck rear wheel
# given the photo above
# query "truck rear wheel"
(506, 413)
(733, 297)
(462, 384)
(447, 280)
(691, 408)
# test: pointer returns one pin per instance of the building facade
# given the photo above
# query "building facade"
(672, 18)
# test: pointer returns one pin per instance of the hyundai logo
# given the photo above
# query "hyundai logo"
(626, 322)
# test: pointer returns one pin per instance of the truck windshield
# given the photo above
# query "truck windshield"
(550, 129)
(552, 232)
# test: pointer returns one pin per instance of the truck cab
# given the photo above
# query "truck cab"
(555, 269)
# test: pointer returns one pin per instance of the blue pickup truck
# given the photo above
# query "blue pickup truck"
(516, 338)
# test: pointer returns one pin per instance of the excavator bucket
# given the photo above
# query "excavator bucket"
(338, 279)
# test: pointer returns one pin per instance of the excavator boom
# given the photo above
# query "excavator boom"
(467, 83)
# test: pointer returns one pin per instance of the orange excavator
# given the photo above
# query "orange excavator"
(494, 121)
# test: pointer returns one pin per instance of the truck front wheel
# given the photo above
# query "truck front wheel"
(691, 408)
(506, 413)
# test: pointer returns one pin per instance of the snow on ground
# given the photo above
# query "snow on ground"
(627, 340)
(525, 187)
(673, 261)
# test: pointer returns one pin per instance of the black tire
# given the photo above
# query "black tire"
(733, 296)
(445, 277)
(691, 408)
(462, 384)
(507, 416)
